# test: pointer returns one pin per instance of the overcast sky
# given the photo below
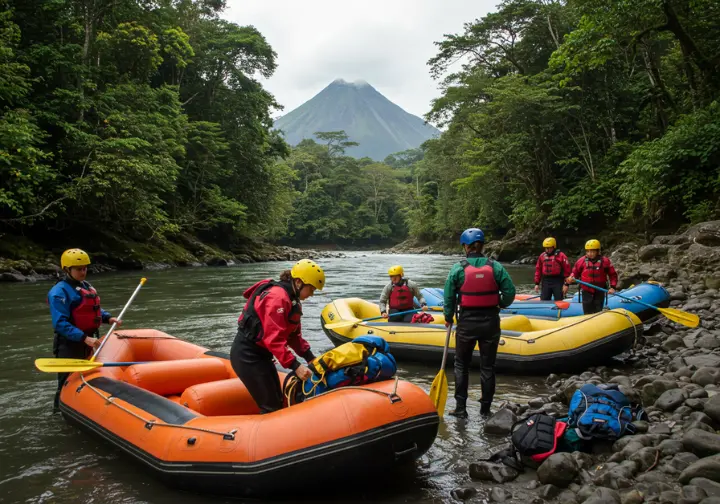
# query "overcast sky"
(384, 42)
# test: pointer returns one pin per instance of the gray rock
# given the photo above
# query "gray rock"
(708, 467)
(499, 494)
(585, 492)
(696, 404)
(699, 393)
(690, 494)
(558, 469)
(653, 251)
(616, 478)
(583, 460)
(703, 360)
(706, 376)
(645, 458)
(682, 461)
(701, 443)
(538, 402)
(710, 500)
(463, 493)
(501, 422)
(660, 428)
(671, 399)
(486, 471)
(670, 447)
(13, 277)
(652, 391)
(621, 380)
(632, 497)
(707, 341)
(567, 497)
(712, 407)
(603, 496)
(669, 497)
(712, 488)
(549, 491)
(699, 416)
(673, 343)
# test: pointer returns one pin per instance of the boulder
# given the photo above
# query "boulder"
(652, 391)
(671, 399)
(712, 407)
(486, 471)
(559, 469)
(603, 496)
(653, 251)
(501, 422)
(701, 443)
(673, 343)
(690, 494)
(706, 376)
(708, 467)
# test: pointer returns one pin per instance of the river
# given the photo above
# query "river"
(44, 460)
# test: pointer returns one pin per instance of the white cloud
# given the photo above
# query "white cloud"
(384, 42)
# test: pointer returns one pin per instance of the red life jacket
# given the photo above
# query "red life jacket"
(86, 315)
(249, 320)
(479, 290)
(595, 272)
(401, 297)
(552, 266)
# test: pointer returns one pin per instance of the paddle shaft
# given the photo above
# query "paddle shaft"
(616, 294)
(392, 314)
(118, 319)
(445, 350)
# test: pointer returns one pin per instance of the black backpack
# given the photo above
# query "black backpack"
(536, 436)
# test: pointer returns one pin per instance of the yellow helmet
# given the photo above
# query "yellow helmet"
(309, 272)
(74, 257)
(396, 270)
(549, 242)
(592, 245)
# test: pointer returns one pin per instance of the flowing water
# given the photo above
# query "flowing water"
(44, 460)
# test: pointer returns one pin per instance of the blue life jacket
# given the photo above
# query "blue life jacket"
(366, 359)
(600, 413)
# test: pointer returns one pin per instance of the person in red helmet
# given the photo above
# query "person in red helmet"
(551, 270)
(268, 327)
(594, 269)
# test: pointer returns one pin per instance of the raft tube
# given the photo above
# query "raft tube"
(649, 292)
(527, 346)
(187, 417)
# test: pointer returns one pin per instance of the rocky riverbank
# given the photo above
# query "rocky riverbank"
(22, 260)
(674, 372)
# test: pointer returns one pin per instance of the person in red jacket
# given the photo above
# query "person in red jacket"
(268, 327)
(552, 268)
(597, 270)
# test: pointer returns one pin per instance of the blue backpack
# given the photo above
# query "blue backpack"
(600, 413)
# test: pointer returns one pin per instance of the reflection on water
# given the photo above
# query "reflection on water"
(44, 460)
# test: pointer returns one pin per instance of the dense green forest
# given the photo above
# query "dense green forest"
(576, 115)
(146, 119)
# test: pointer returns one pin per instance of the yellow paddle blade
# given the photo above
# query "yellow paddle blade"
(681, 317)
(439, 391)
(65, 365)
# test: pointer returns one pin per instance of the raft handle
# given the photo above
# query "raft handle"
(191, 441)
(400, 454)
(150, 424)
(230, 436)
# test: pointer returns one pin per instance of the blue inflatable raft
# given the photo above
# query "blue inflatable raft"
(649, 292)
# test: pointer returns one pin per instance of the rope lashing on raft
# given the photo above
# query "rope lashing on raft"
(150, 423)
(392, 396)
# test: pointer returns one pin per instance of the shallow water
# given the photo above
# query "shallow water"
(44, 460)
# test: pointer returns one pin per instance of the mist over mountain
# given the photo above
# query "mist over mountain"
(377, 124)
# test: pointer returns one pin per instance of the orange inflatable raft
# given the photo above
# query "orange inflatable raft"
(186, 416)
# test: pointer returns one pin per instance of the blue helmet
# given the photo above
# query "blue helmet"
(471, 236)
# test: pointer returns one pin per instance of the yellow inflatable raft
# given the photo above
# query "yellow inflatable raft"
(527, 346)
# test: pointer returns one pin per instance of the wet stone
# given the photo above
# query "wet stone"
(463, 493)
(670, 447)
(671, 399)
(567, 497)
(682, 460)
(712, 488)
(701, 443)
(632, 497)
(603, 496)
(645, 458)
(501, 422)
(669, 497)
(486, 471)
(549, 491)
(499, 494)
(708, 467)
(712, 407)
(558, 469)
(690, 494)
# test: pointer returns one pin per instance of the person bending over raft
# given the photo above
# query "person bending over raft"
(551, 269)
(478, 287)
(75, 312)
(268, 327)
(398, 295)
(597, 270)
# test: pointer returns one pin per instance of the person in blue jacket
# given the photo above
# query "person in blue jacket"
(76, 313)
